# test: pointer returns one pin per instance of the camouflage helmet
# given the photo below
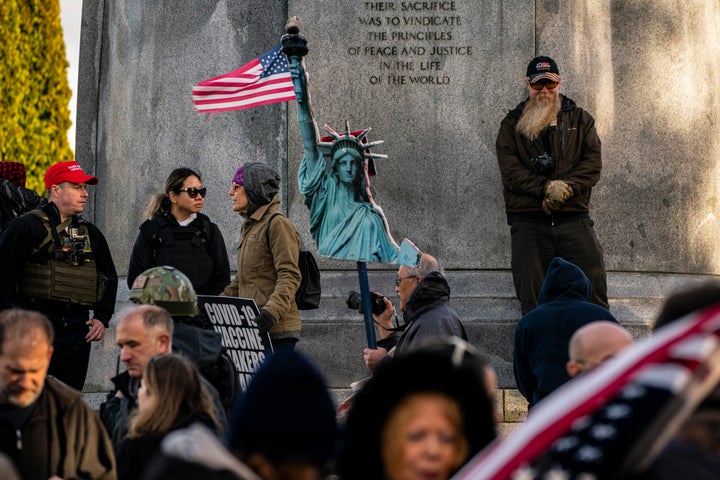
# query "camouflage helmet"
(165, 287)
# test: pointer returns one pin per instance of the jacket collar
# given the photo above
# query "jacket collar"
(432, 289)
(271, 207)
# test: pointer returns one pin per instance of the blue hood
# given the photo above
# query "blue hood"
(564, 281)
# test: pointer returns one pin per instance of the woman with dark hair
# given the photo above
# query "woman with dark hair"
(177, 234)
(422, 415)
(171, 396)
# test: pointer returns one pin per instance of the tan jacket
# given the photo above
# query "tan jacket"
(269, 274)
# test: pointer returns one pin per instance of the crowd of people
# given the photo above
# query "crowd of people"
(426, 411)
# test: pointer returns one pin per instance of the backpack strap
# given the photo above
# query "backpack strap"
(151, 233)
(206, 231)
(267, 227)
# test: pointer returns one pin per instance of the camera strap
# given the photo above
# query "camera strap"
(399, 328)
(547, 140)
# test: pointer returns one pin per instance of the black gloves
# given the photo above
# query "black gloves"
(265, 320)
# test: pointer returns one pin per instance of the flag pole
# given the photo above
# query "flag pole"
(366, 304)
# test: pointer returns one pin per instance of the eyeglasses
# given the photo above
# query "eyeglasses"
(398, 281)
(194, 192)
(539, 85)
(235, 187)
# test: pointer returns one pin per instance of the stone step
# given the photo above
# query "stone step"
(334, 336)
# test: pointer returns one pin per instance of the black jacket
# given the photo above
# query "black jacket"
(134, 455)
(428, 313)
(576, 150)
(542, 336)
(17, 241)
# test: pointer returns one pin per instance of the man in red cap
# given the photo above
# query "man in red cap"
(58, 263)
(550, 158)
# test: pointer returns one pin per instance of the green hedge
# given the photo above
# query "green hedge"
(34, 91)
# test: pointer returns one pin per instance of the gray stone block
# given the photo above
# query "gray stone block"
(440, 186)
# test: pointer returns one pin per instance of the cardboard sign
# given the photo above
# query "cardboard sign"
(410, 255)
(233, 318)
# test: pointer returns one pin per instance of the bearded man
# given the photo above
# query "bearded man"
(46, 429)
(550, 158)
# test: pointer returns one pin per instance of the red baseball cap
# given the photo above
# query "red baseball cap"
(67, 172)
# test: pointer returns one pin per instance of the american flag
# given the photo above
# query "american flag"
(613, 420)
(262, 81)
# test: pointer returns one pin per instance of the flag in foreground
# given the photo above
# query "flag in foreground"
(611, 422)
(262, 81)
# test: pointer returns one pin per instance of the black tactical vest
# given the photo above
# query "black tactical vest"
(70, 273)
(185, 248)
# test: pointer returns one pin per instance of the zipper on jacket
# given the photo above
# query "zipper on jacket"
(18, 441)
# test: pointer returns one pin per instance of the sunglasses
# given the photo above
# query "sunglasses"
(194, 192)
(539, 85)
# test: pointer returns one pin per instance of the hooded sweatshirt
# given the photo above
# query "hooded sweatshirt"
(542, 336)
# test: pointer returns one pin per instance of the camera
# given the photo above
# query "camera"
(354, 302)
(73, 250)
(542, 163)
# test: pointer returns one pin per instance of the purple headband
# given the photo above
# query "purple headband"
(238, 178)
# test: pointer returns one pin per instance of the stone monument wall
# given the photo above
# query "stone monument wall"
(433, 79)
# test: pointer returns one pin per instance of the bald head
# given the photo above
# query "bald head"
(594, 344)
(427, 264)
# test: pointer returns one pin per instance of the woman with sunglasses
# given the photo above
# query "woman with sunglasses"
(177, 234)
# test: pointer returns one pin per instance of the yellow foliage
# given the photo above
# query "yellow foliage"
(34, 91)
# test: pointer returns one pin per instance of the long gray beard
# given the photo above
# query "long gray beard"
(539, 113)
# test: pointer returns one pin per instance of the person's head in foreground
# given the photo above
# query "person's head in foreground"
(284, 426)
(171, 396)
(594, 344)
(26, 339)
(421, 416)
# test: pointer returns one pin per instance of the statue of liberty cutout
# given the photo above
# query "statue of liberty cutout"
(334, 178)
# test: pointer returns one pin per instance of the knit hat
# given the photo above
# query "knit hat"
(448, 366)
(286, 414)
(67, 172)
(238, 177)
(13, 171)
(541, 68)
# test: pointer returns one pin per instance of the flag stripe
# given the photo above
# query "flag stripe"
(246, 103)
(265, 84)
(262, 81)
(267, 93)
(555, 415)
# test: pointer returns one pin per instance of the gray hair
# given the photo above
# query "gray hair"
(152, 317)
(428, 264)
(17, 323)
